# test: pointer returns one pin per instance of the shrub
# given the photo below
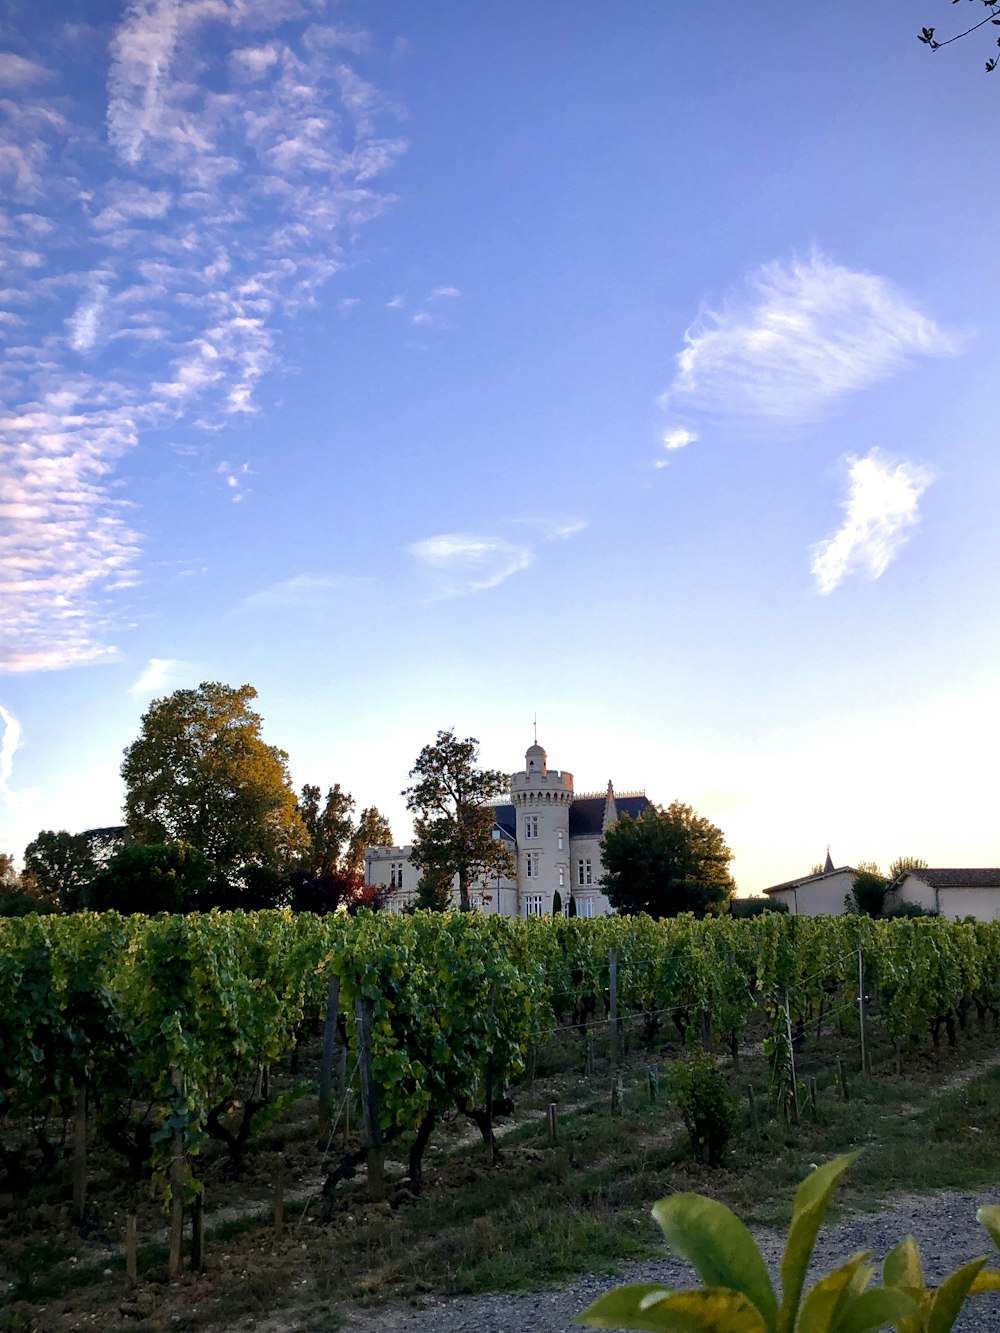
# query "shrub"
(710, 1111)
(745, 907)
(869, 890)
(908, 911)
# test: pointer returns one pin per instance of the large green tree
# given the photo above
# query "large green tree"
(60, 865)
(666, 862)
(18, 895)
(200, 773)
(454, 819)
(328, 824)
(166, 877)
(371, 830)
(337, 841)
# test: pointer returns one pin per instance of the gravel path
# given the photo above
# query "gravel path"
(944, 1226)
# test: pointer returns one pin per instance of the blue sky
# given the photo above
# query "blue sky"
(440, 366)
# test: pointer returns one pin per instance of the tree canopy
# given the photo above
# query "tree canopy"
(60, 866)
(454, 820)
(871, 889)
(904, 863)
(336, 843)
(666, 862)
(200, 773)
(165, 877)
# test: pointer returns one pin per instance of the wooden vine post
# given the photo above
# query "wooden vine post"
(369, 1100)
(861, 1010)
(80, 1151)
(706, 1027)
(175, 1261)
(754, 1116)
(491, 1143)
(617, 1094)
(198, 1232)
(613, 1005)
(845, 1091)
(329, 1060)
(794, 1102)
(132, 1248)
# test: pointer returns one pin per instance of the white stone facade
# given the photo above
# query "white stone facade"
(954, 893)
(554, 837)
(823, 894)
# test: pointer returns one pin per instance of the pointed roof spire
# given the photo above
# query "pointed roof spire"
(610, 809)
(828, 866)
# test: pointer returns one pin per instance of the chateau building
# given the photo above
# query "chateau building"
(554, 837)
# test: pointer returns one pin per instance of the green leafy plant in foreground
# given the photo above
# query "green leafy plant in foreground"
(738, 1295)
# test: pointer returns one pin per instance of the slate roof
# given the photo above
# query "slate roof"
(959, 879)
(506, 819)
(810, 879)
(586, 815)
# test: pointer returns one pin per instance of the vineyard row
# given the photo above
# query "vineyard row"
(160, 1031)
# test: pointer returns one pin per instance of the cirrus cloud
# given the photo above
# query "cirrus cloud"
(799, 336)
(464, 562)
(147, 251)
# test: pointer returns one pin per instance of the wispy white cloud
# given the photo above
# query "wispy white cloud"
(308, 592)
(798, 337)
(194, 277)
(678, 438)
(464, 562)
(881, 509)
(396, 303)
(234, 478)
(128, 202)
(18, 72)
(160, 673)
(9, 745)
(554, 527)
(85, 324)
(440, 293)
(255, 61)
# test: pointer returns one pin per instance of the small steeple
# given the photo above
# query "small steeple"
(610, 809)
(828, 865)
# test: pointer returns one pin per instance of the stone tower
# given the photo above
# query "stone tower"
(542, 798)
